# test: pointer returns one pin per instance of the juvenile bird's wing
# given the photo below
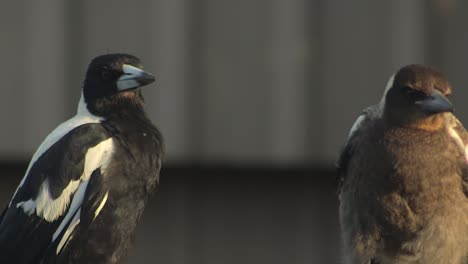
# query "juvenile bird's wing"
(47, 205)
(460, 136)
(347, 152)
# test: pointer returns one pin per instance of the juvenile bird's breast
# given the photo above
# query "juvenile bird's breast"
(426, 168)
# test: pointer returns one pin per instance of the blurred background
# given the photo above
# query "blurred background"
(254, 98)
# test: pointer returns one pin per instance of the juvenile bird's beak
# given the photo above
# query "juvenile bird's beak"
(435, 103)
(133, 77)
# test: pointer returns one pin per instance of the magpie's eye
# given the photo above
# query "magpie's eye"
(105, 75)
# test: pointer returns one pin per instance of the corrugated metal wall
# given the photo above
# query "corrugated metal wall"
(261, 81)
(243, 82)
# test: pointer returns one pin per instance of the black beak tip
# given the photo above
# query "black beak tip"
(145, 79)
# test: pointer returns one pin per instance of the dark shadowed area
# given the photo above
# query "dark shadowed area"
(228, 215)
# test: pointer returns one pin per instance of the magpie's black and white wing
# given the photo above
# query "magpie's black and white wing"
(62, 189)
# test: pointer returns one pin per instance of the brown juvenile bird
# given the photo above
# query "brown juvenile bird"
(404, 176)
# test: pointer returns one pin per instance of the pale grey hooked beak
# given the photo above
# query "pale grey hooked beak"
(133, 77)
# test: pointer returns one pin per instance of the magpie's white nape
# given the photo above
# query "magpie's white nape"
(88, 182)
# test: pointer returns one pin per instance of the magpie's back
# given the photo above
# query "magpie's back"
(88, 182)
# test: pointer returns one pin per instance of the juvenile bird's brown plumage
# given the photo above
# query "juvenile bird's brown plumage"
(423, 79)
(403, 172)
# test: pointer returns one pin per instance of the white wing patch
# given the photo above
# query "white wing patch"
(75, 221)
(75, 205)
(96, 157)
(51, 209)
(45, 206)
(101, 205)
(83, 116)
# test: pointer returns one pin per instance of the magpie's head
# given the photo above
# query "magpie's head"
(113, 79)
(416, 94)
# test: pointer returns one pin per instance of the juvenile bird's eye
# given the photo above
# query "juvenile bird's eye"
(407, 89)
(414, 94)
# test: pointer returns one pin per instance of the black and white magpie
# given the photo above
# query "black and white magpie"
(404, 176)
(87, 184)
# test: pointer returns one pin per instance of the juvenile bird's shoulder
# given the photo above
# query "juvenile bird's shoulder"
(456, 130)
(458, 134)
(367, 117)
(360, 130)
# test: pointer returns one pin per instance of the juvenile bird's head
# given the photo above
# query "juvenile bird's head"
(416, 96)
(113, 79)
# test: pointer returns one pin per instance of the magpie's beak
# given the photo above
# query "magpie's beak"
(435, 103)
(133, 77)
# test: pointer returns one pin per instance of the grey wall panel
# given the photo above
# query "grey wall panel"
(237, 97)
(44, 58)
(36, 55)
(271, 82)
(356, 55)
(365, 42)
(255, 81)
(12, 75)
(453, 48)
(294, 80)
(169, 100)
